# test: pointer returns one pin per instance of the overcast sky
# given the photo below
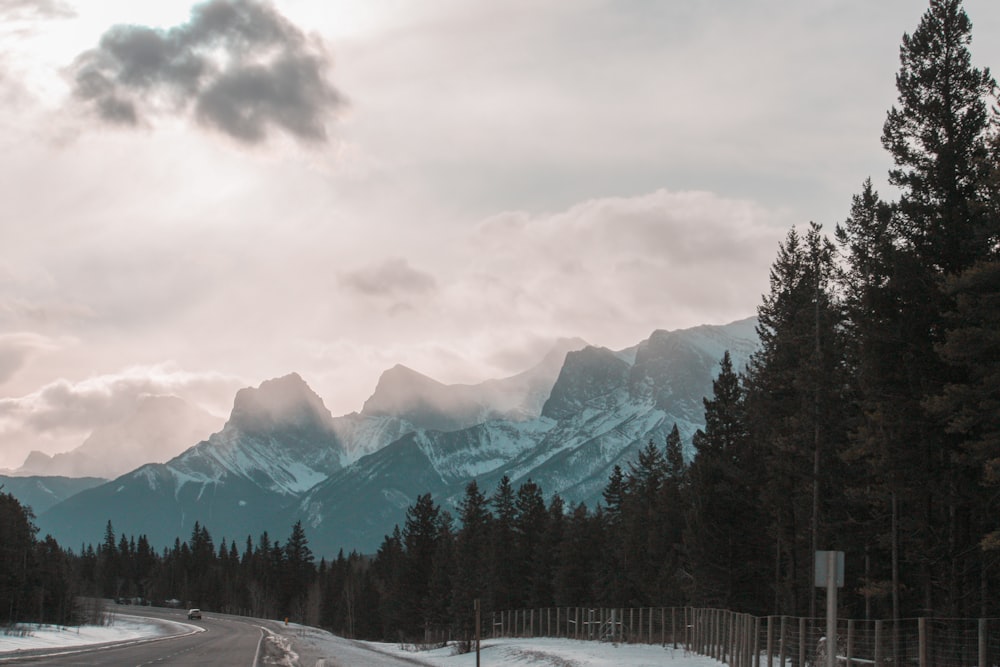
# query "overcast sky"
(200, 197)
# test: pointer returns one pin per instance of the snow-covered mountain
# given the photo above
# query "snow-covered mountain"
(282, 457)
(604, 406)
(160, 428)
(405, 401)
(279, 441)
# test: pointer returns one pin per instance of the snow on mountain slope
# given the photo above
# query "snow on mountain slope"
(361, 435)
(601, 411)
(405, 401)
(278, 442)
(428, 404)
(280, 435)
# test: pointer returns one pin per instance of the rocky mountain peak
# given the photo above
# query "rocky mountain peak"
(284, 401)
(400, 390)
(587, 377)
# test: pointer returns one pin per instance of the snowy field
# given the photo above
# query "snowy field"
(307, 647)
(557, 653)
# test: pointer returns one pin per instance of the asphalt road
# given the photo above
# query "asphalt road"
(220, 641)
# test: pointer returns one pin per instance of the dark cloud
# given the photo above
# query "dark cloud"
(391, 277)
(239, 65)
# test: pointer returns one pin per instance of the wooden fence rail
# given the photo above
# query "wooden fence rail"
(742, 640)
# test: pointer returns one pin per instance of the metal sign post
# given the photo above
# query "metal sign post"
(830, 573)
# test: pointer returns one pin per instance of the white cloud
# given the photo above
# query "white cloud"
(60, 415)
(16, 349)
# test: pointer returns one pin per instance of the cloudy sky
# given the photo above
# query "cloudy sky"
(199, 197)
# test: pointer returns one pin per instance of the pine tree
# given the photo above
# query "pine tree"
(722, 552)
(578, 553)
(108, 565)
(387, 573)
(420, 534)
(614, 495)
(503, 590)
(439, 586)
(869, 245)
(472, 549)
(940, 227)
(675, 454)
(530, 526)
(794, 395)
(937, 140)
(299, 571)
(643, 539)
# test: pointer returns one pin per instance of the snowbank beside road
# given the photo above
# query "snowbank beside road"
(29, 637)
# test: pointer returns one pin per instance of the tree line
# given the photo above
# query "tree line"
(868, 421)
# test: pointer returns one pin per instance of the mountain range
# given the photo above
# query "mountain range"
(282, 457)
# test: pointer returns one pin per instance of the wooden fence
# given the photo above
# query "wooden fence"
(742, 640)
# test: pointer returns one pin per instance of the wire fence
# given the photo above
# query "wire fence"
(742, 640)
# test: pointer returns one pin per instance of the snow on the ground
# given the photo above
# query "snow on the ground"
(314, 644)
(29, 636)
(544, 652)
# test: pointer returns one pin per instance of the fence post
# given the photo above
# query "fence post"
(850, 643)
(702, 632)
(734, 639)
(721, 634)
(922, 639)
(756, 642)
(781, 643)
(716, 644)
(878, 642)
(770, 641)
(802, 641)
(739, 646)
(982, 642)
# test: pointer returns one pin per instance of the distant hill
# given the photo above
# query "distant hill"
(40, 493)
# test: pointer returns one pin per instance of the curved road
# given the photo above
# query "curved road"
(217, 640)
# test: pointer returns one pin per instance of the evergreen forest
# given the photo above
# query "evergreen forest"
(868, 422)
